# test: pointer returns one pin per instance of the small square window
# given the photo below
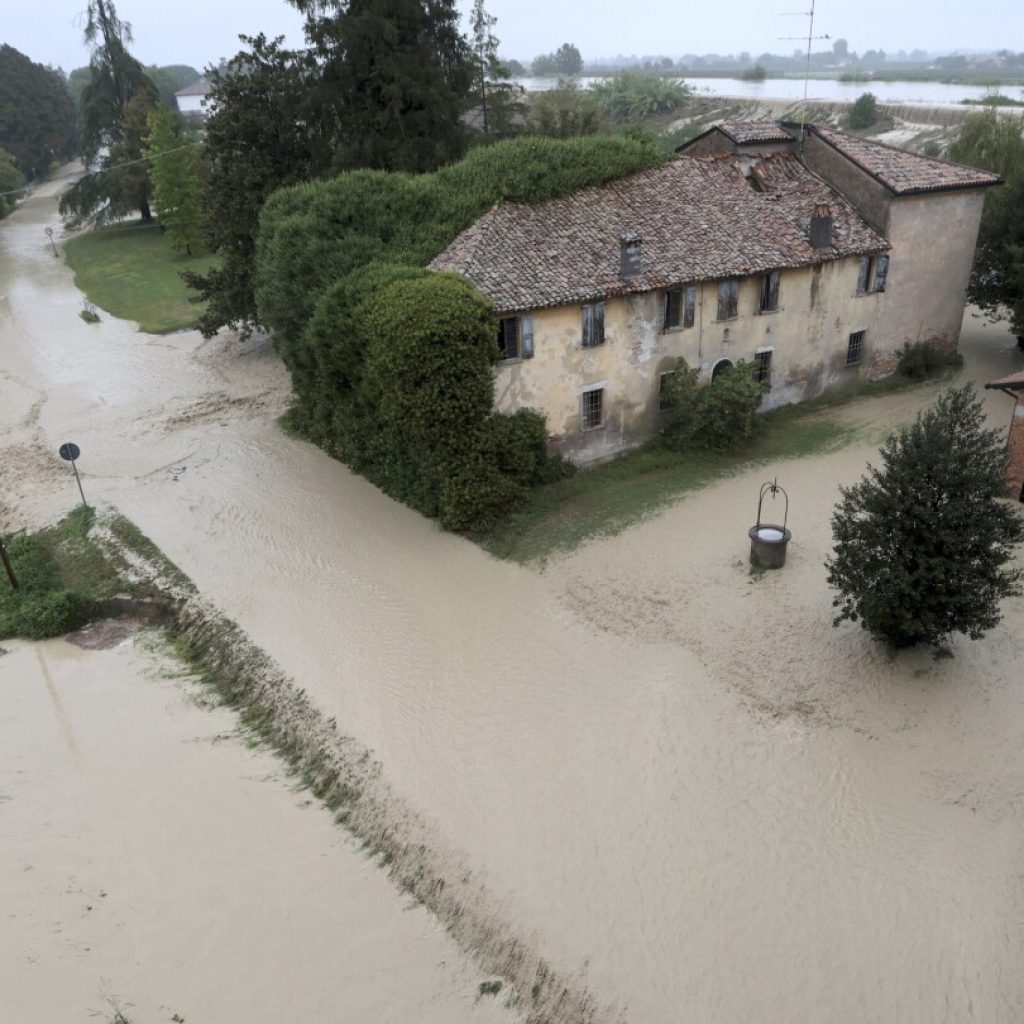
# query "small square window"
(763, 367)
(855, 348)
(728, 299)
(593, 409)
(770, 292)
(593, 324)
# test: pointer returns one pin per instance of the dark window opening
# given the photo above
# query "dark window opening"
(593, 324)
(593, 409)
(680, 307)
(770, 292)
(763, 367)
(855, 348)
(872, 274)
(728, 299)
(515, 337)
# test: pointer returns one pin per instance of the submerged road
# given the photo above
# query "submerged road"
(682, 784)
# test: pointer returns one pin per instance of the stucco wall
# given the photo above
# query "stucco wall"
(818, 309)
(868, 195)
(932, 238)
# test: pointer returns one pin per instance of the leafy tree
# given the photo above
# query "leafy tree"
(864, 112)
(174, 174)
(116, 78)
(500, 100)
(568, 60)
(923, 543)
(566, 111)
(757, 73)
(394, 81)
(11, 180)
(841, 48)
(632, 96)
(258, 139)
(37, 117)
(169, 79)
(116, 104)
(996, 143)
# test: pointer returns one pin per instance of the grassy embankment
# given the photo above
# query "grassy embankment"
(64, 576)
(131, 271)
(606, 499)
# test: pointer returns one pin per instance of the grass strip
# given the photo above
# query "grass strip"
(131, 271)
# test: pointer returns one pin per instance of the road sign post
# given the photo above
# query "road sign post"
(69, 451)
(49, 235)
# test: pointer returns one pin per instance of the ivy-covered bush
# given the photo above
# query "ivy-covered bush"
(391, 364)
(720, 415)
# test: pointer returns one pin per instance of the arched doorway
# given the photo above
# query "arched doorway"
(722, 364)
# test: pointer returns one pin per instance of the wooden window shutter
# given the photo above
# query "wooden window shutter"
(526, 329)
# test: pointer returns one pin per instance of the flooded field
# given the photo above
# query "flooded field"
(678, 781)
(150, 861)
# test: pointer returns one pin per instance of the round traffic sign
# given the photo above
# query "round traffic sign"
(49, 231)
(69, 451)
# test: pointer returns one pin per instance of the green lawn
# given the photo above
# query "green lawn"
(130, 271)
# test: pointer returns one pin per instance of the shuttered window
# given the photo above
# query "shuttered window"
(770, 292)
(593, 324)
(728, 299)
(515, 337)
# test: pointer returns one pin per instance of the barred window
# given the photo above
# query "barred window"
(593, 409)
(728, 299)
(593, 324)
(855, 348)
(763, 366)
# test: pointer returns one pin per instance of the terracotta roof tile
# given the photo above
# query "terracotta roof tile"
(698, 217)
(745, 132)
(1015, 382)
(900, 170)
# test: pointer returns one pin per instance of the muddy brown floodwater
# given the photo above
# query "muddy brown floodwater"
(676, 779)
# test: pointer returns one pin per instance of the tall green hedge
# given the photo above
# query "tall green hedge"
(340, 267)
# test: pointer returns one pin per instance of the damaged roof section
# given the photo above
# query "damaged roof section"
(903, 172)
(698, 218)
(743, 133)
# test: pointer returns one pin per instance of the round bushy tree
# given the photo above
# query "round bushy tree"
(922, 544)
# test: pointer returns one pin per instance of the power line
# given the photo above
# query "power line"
(113, 167)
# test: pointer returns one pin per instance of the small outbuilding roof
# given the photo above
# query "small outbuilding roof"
(1013, 383)
(200, 87)
(697, 218)
(903, 172)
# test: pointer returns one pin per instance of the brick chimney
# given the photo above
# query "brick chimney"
(632, 262)
(821, 226)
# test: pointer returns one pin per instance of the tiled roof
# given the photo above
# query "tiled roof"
(744, 132)
(901, 171)
(698, 218)
(200, 87)
(1015, 382)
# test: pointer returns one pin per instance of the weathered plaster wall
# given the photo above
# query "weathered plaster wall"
(818, 309)
(1015, 453)
(868, 195)
(932, 238)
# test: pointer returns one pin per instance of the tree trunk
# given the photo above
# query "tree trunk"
(147, 214)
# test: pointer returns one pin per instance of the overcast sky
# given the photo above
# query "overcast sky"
(199, 32)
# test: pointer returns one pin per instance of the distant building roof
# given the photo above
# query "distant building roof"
(746, 132)
(699, 218)
(200, 87)
(901, 171)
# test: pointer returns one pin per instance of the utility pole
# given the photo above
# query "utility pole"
(809, 15)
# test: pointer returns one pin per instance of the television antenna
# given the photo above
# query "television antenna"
(810, 38)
